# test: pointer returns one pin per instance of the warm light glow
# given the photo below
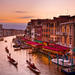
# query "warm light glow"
(21, 11)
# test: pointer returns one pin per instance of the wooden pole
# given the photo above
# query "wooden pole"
(49, 57)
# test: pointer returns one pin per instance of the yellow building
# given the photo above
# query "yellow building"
(51, 28)
(67, 34)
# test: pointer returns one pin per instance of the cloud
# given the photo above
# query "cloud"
(3, 19)
(26, 17)
(20, 11)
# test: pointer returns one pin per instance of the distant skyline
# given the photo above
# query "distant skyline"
(22, 11)
(18, 26)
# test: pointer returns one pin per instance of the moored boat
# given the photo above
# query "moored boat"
(31, 67)
(25, 47)
(68, 71)
(67, 63)
(16, 46)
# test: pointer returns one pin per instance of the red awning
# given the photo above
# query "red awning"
(33, 43)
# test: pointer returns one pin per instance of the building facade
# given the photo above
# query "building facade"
(34, 29)
(60, 30)
(10, 32)
(67, 31)
(1, 30)
(52, 27)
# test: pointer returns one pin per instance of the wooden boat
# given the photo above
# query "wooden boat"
(34, 69)
(12, 61)
(16, 46)
(68, 71)
(17, 49)
(25, 47)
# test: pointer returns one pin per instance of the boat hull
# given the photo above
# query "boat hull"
(14, 63)
(11, 61)
(68, 72)
(34, 70)
(31, 68)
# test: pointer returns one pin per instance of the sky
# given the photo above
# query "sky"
(22, 11)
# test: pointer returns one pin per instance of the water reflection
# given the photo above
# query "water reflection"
(21, 56)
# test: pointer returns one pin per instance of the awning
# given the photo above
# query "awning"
(34, 44)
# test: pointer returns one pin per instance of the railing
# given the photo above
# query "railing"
(64, 34)
(59, 33)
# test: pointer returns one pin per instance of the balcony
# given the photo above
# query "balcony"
(59, 33)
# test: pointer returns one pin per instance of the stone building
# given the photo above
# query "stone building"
(67, 30)
(60, 30)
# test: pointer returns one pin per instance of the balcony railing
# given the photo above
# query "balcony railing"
(61, 33)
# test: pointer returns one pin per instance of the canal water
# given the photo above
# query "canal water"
(21, 56)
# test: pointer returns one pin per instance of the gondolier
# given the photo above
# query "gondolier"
(6, 49)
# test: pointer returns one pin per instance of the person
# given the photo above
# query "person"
(33, 66)
(30, 60)
(6, 49)
(9, 56)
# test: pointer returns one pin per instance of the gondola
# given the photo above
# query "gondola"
(12, 61)
(34, 69)
(16, 46)
(17, 49)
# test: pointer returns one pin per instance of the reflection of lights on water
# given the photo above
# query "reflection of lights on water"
(45, 60)
(34, 58)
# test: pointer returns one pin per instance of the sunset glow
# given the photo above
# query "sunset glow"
(21, 11)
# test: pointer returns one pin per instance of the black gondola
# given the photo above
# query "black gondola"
(33, 68)
(12, 61)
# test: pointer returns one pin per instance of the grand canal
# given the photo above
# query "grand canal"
(21, 56)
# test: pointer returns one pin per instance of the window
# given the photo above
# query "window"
(47, 24)
(65, 28)
(51, 31)
(70, 29)
(70, 40)
(46, 35)
(46, 30)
